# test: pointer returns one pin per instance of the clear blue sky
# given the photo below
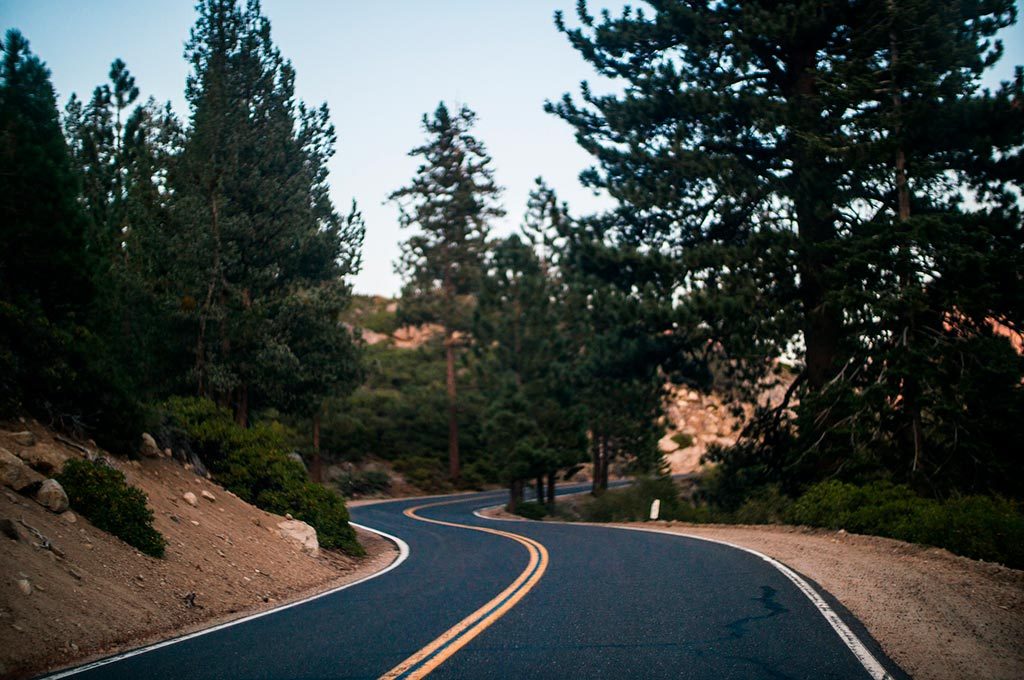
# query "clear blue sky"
(379, 66)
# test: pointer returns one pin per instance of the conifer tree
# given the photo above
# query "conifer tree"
(258, 235)
(791, 179)
(451, 200)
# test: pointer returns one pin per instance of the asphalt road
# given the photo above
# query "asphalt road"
(553, 601)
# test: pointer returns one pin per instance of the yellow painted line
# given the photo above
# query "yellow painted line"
(423, 662)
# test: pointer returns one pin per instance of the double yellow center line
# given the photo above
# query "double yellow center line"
(423, 662)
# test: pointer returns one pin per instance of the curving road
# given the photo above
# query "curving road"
(483, 598)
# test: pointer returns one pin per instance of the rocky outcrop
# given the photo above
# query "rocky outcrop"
(51, 496)
(16, 474)
(301, 533)
(45, 459)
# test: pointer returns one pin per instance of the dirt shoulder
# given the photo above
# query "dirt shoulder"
(95, 595)
(939, 616)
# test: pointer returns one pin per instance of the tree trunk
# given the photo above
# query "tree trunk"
(204, 312)
(242, 410)
(910, 388)
(551, 490)
(540, 488)
(595, 458)
(315, 466)
(515, 494)
(453, 424)
(815, 214)
(605, 456)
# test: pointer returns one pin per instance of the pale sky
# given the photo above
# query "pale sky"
(379, 66)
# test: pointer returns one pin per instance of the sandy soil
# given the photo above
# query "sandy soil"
(937, 615)
(95, 595)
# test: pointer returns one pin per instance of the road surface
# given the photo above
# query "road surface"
(483, 598)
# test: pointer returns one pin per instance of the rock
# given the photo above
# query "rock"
(69, 517)
(297, 457)
(47, 460)
(208, 496)
(52, 497)
(194, 523)
(25, 438)
(168, 453)
(24, 585)
(15, 473)
(149, 448)
(288, 515)
(190, 498)
(301, 533)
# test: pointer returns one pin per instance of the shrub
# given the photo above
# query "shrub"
(633, 503)
(767, 506)
(362, 482)
(254, 464)
(982, 527)
(532, 510)
(102, 495)
(426, 473)
(683, 439)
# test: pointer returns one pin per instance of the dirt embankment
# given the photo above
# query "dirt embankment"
(93, 595)
(938, 615)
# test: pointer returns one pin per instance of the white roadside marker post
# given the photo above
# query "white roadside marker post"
(655, 508)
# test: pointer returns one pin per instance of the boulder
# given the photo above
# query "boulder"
(190, 498)
(297, 457)
(15, 473)
(301, 533)
(45, 459)
(149, 449)
(24, 438)
(208, 496)
(51, 496)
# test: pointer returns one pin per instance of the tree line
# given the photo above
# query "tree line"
(823, 185)
(146, 257)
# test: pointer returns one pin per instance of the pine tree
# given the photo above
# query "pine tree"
(51, 363)
(451, 200)
(259, 237)
(790, 177)
(526, 359)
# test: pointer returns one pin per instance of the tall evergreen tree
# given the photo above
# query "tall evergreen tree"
(51, 363)
(791, 178)
(526, 359)
(451, 200)
(258, 236)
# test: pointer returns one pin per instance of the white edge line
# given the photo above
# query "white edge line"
(854, 643)
(403, 554)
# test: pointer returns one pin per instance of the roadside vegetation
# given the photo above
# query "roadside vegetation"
(982, 527)
(102, 495)
(784, 185)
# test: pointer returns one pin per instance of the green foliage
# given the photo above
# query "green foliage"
(790, 177)
(982, 527)
(100, 493)
(370, 312)
(52, 362)
(532, 510)
(424, 472)
(253, 463)
(633, 503)
(683, 439)
(362, 482)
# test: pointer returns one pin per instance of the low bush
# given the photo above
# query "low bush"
(982, 527)
(633, 503)
(428, 474)
(253, 463)
(362, 482)
(101, 494)
(532, 510)
(683, 439)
